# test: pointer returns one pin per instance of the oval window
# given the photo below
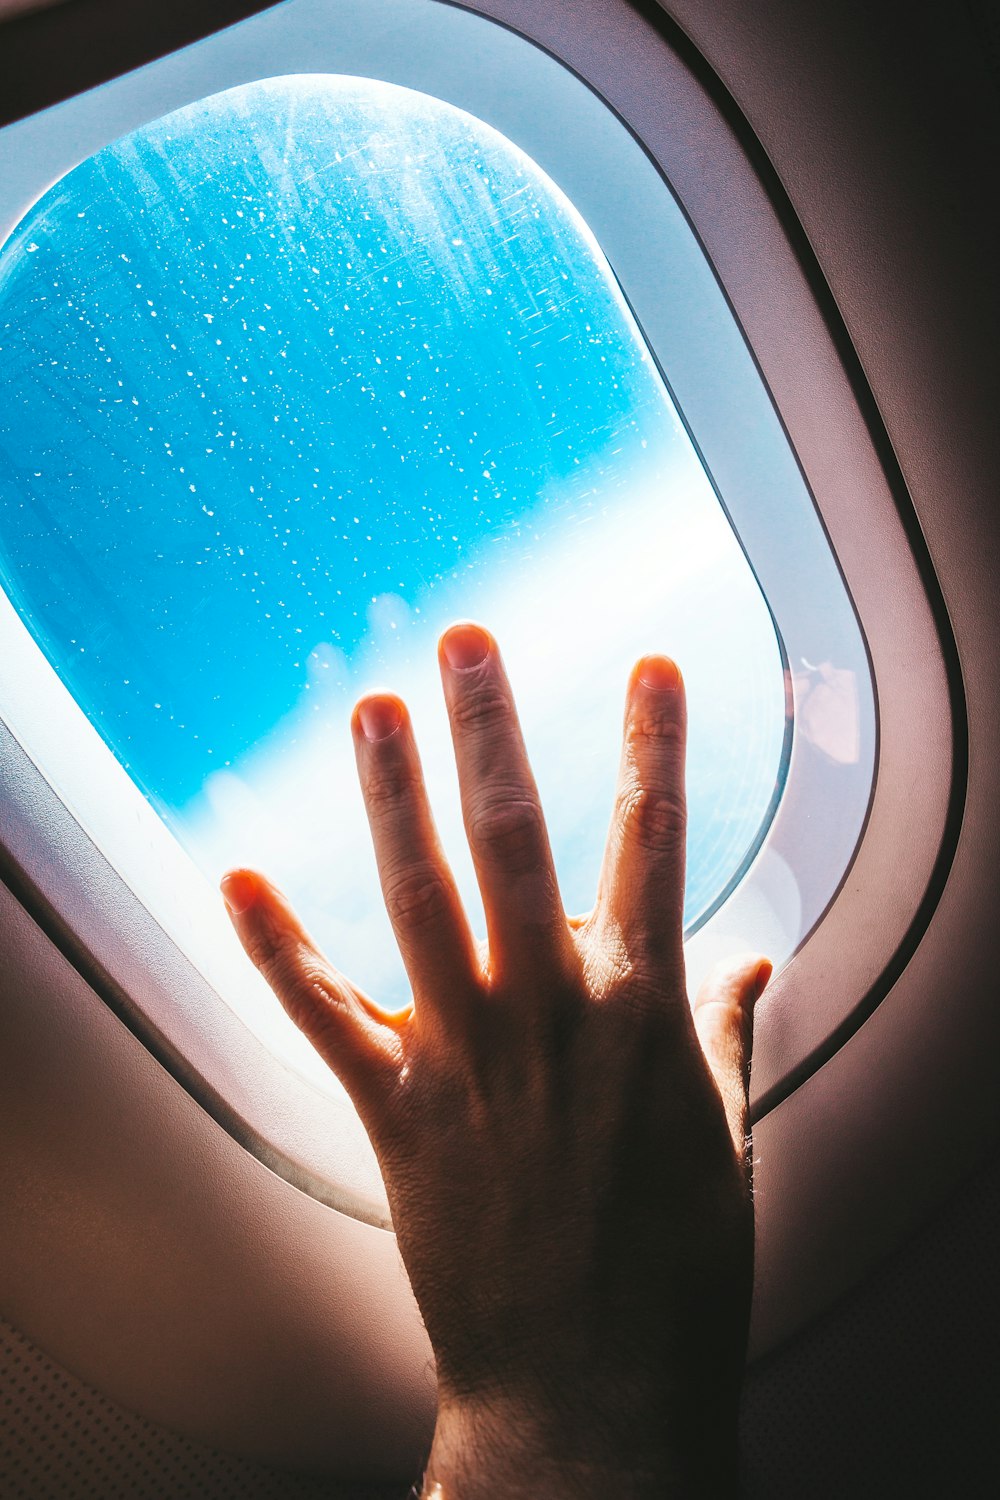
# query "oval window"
(297, 375)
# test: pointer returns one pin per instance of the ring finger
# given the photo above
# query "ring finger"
(642, 881)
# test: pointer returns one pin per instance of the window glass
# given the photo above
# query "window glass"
(295, 376)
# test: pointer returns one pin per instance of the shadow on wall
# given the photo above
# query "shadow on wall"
(894, 1391)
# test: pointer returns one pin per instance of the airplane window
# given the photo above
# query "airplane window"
(331, 328)
(295, 376)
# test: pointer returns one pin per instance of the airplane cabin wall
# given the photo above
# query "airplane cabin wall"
(882, 120)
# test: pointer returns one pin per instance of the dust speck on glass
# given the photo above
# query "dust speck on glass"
(295, 376)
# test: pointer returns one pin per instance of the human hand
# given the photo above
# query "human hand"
(562, 1139)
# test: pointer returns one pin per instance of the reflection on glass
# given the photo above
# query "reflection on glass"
(295, 376)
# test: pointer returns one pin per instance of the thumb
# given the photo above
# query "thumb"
(723, 1020)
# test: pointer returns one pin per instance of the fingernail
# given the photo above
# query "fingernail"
(659, 673)
(379, 717)
(465, 646)
(238, 891)
(763, 975)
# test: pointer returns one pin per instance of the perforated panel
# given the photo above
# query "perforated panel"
(894, 1392)
(60, 1440)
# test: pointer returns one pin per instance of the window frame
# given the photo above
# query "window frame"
(656, 89)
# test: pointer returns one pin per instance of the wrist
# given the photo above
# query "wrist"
(506, 1449)
(503, 1454)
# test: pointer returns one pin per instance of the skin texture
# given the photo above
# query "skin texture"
(562, 1136)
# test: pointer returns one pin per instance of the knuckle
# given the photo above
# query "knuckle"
(316, 1003)
(311, 1001)
(663, 731)
(390, 786)
(279, 960)
(263, 948)
(486, 710)
(417, 897)
(655, 820)
(507, 829)
(302, 980)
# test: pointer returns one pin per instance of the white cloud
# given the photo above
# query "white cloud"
(659, 570)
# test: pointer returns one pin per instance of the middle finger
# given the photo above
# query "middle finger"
(525, 921)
